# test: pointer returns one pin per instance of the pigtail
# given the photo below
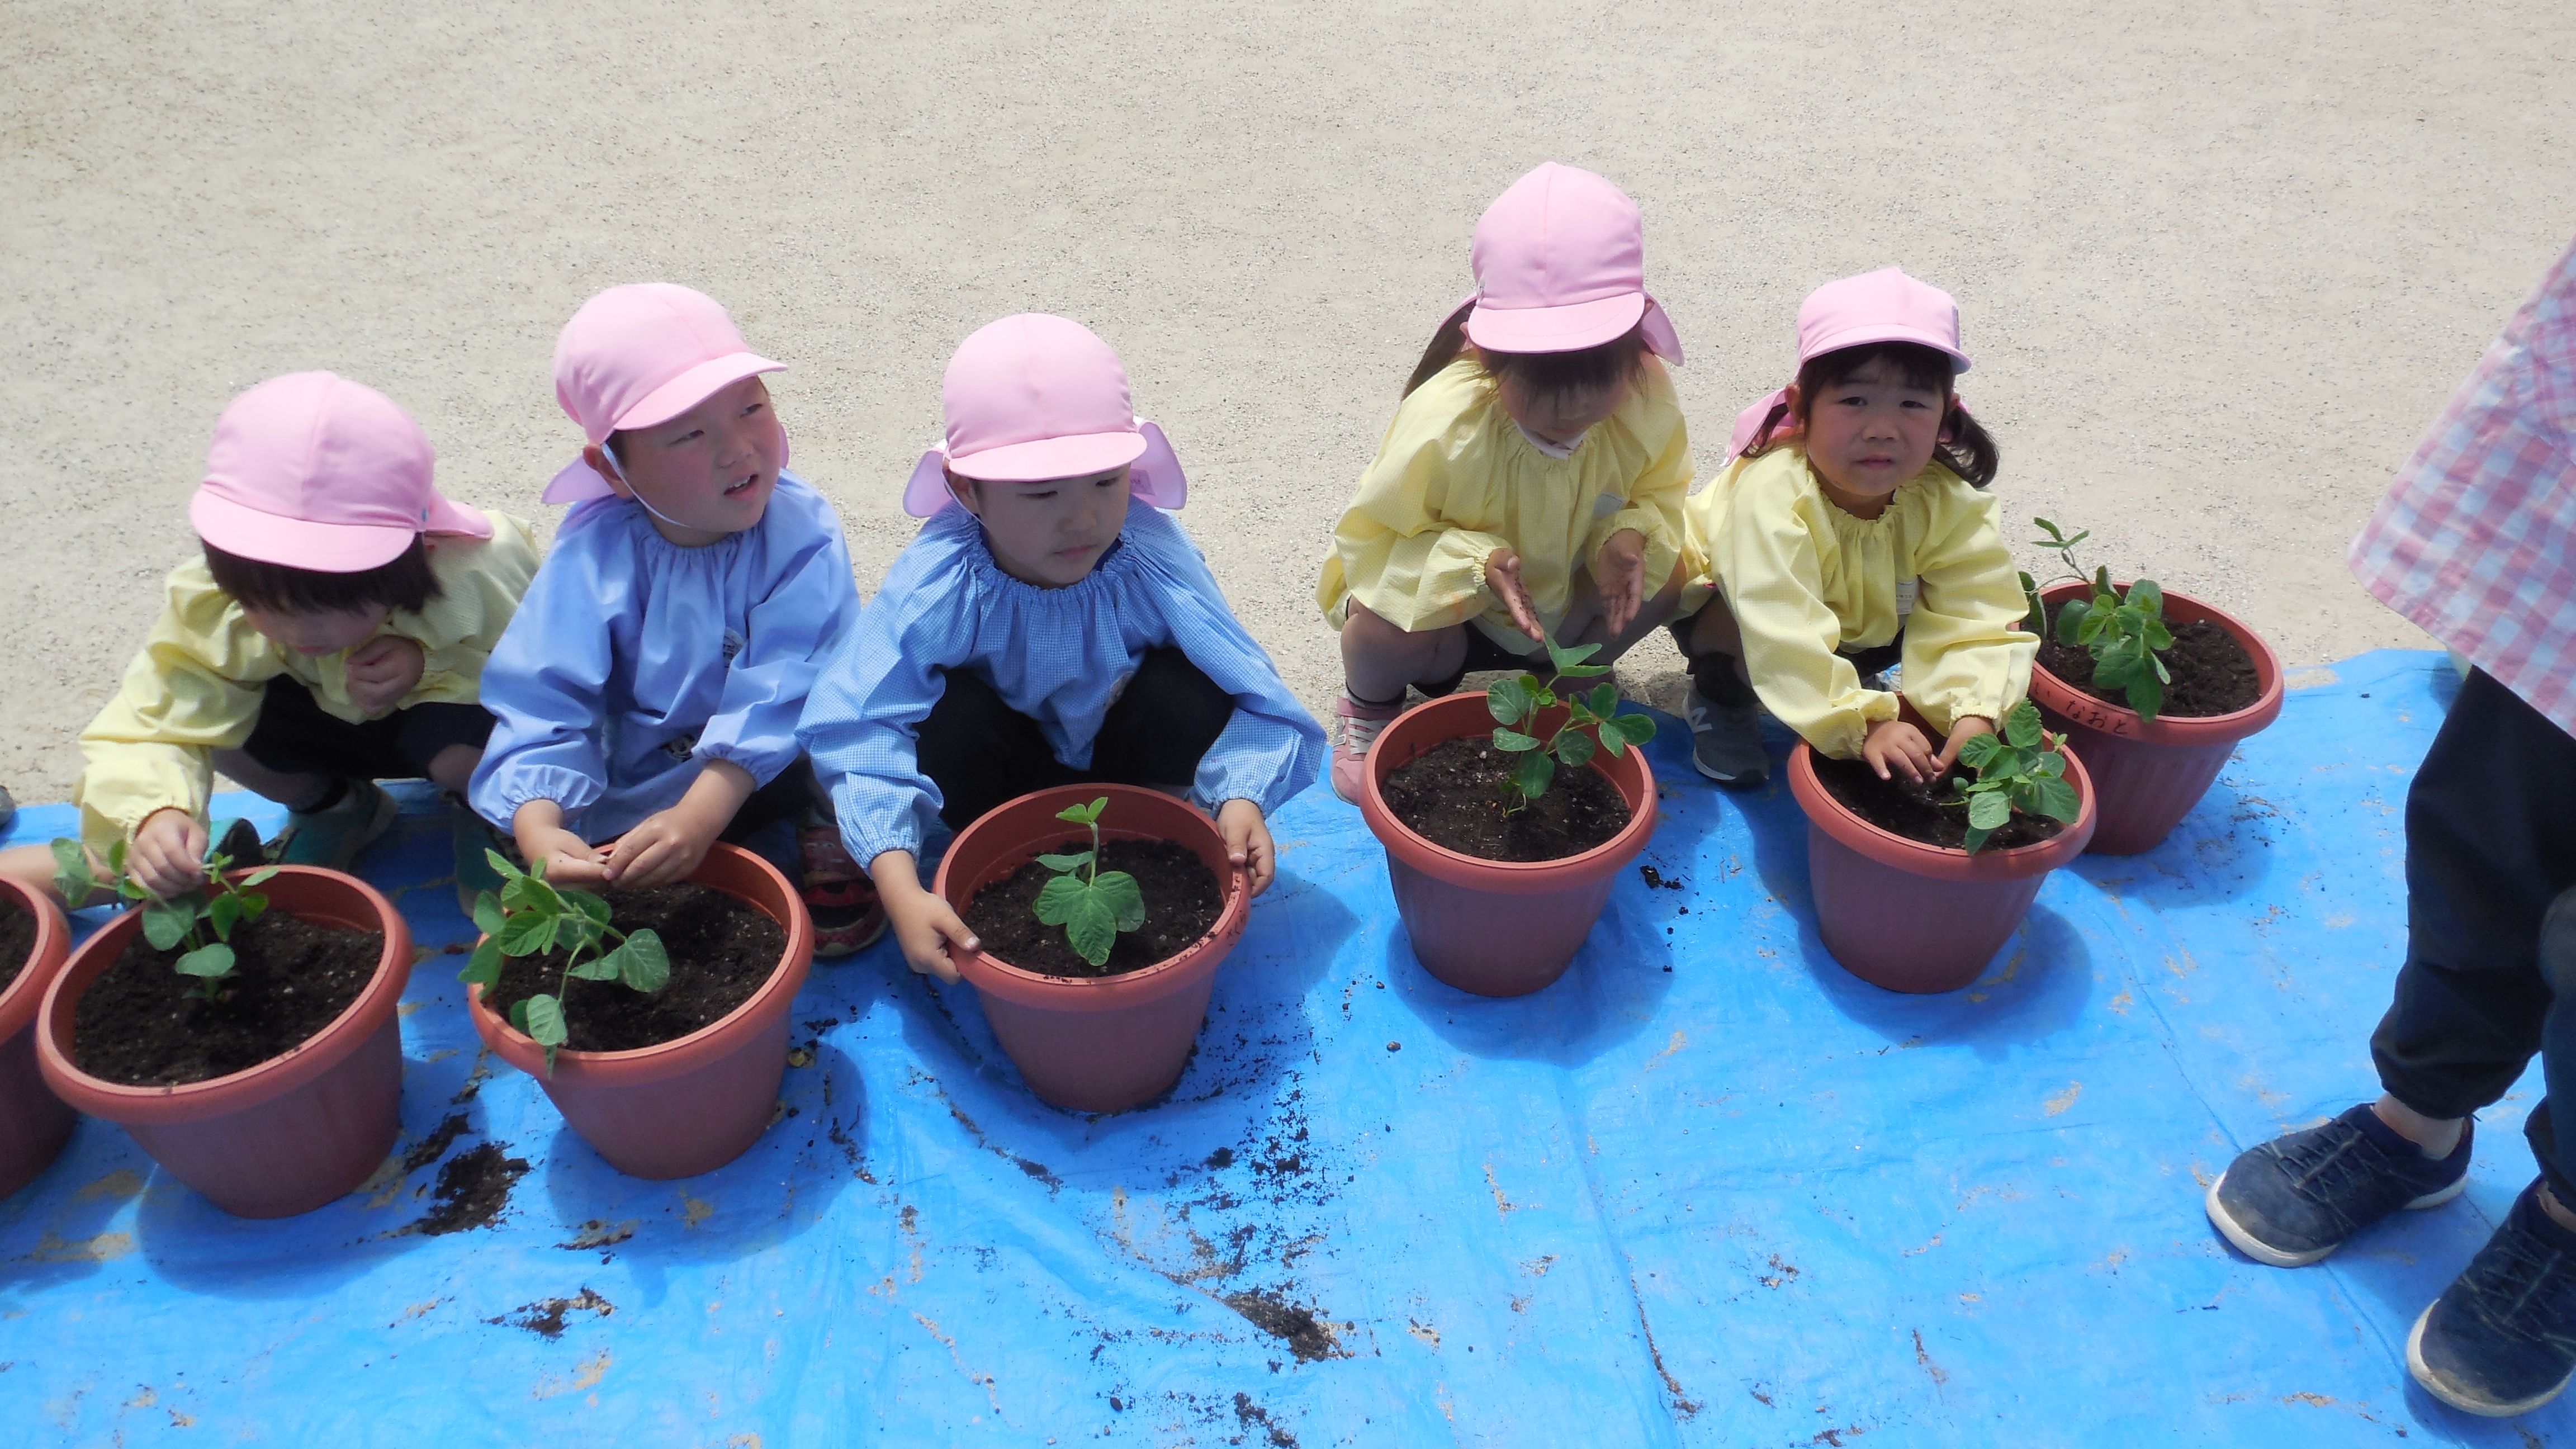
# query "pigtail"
(1967, 449)
(1445, 346)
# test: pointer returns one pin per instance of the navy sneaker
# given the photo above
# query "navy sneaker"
(1726, 742)
(2501, 1340)
(2294, 1199)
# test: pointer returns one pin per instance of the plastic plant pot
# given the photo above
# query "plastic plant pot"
(690, 1105)
(298, 1130)
(2151, 772)
(34, 1123)
(1912, 917)
(1094, 1043)
(1491, 927)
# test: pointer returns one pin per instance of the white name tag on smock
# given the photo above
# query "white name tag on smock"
(1906, 593)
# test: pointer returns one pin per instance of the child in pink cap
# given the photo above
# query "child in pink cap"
(332, 634)
(1043, 629)
(1851, 532)
(647, 695)
(1531, 484)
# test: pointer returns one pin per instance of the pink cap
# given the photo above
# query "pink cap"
(1034, 397)
(1560, 263)
(1881, 306)
(638, 355)
(314, 471)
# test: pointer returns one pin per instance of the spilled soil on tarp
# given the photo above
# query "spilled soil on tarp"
(142, 1024)
(722, 949)
(2212, 673)
(17, 939)
(1932, 813)
(1182, 902)
(1459, 795)
(473, 1189)
(1308, 1337)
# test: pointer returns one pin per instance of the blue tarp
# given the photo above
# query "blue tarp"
(1708, 1189)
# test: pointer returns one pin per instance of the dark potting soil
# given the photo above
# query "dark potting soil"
(473, 1190)
(2212, 673)
(17, 938)
(722, 950)
(1182, 901)
(1459, 795)
(142, 1024)
(1932, 813)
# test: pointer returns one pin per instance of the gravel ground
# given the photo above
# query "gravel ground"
(2219, 265)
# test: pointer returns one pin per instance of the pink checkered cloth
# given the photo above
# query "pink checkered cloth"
(2476, 540)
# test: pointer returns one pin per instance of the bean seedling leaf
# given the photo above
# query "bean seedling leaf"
(1534, 773)
(642, 963)
(1988, 810)
(483, 968)
(1092, 928)
(167, 923)
(207, 961)
(1513, 740)
(1125, 898)
(1573, 748)
(545, 1021)
(1055, 904)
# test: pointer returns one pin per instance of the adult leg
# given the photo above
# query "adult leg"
(980, 752)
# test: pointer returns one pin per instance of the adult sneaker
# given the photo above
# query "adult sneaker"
(1360, 726)
(2294, 1199)
(331, 837)
(2501, 1340)
(1726, 742)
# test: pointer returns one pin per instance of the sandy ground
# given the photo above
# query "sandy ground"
(2220, 264)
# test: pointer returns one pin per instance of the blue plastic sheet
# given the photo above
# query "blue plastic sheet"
(1708, 1189)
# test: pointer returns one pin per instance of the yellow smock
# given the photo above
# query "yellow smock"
(196, 686)
(1806, 579)
(1456, 479)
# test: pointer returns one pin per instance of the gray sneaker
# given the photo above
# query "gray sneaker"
(1726, 742)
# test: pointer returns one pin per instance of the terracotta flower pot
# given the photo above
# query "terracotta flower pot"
(1496, 928)
(2151, 772)
(1907, 916)
(34, 1123)
(691, 1105)
(292, 1133)
(1094, 1043)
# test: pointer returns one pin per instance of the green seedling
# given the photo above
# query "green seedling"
(1091, 904)
(2122, 631)
(201, 919)
(1516, 705)
(2019, 771)
(529, 918)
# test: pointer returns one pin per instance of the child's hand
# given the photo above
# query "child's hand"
(1503, 577)
(1619, 575)
(1247, 842)
(663, 847)
(538, 828)
(924, 925)
(1963, 729)
(1893, 742)
(381, 672)
(169, 854)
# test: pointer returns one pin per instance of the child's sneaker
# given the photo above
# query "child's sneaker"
(1360, 726)
(839, 896)
(2501, 1340)
(2294, 1199)
(1726, 742)
(331, 837)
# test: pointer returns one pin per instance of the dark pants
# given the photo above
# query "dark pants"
(981, 752)
(2490, 973)
(294, 735)
(1715, 677)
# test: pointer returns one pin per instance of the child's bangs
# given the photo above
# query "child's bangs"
(1541, 376)
(1917, 366)
(405, 585)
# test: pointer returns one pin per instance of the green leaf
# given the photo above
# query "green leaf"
(132, 889)
(1568, 660)
(2021, 726)
(1093, 928)
(1513, 740)
(2070, 620)
(2056, 799)
(501, 865)
(1976, 840)
(2034, 618)
(1074, 860)
(2148, 595)
(642, 963)
(1574, 748)
(72, 875)
(2102, 589)
(253, 907)
(1583, 671)
(224, 912)
(487, 913)
(599, 968)
(1055, 904)
(116, 858)
(167, 923)
(255, 878)
(1534, 773)
(519, 1015)
(2158, 636)
(1508, 700)
(1636, 728)
(2146, 695)
(1125, 899)
(1976, 751)
(1084, 814)
(590, 904)
(545, 1021)
(1988, 811)
(1603, 701)
(207, 961)
(483, 968)
(2050, 763)
(527, 933)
